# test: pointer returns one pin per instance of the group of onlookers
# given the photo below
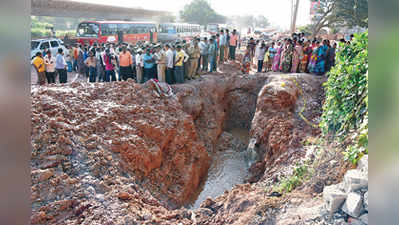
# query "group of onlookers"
(48, 66)
(294, 54)
(171, 63)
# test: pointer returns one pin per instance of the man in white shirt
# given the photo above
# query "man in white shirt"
(261, 51)
(49, 62)
(139, 65)
(169, 64)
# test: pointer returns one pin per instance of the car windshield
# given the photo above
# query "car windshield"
(88, 30)
(34, 44)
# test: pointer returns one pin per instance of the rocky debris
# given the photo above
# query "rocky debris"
(366, 201)
(363, 163)
(355, 179)
(227, 141)
(364, 218)
(334, 197)
(336, 207)
(353, 192)
(353, 205)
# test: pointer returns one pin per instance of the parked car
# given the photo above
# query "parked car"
(52, 44)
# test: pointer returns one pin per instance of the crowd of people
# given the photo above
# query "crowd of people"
(171, 62)
(290, 55)
(180, 60)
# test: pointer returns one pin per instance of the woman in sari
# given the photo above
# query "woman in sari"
(296, 57)
(313, 58)
(307, 50)
(286, 57)
(321, 59)
(276, 59)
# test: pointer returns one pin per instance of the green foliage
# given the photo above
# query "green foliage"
(345, 110)
(40, 32)
(360, 143)
(200, 12)
(307, 29)
(300, 174)
(339, 13)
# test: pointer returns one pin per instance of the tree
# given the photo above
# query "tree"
(334, 13)
(200, 12)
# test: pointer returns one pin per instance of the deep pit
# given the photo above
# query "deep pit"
(229, 167)
(143, 157)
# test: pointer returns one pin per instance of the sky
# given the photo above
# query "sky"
(277, 11)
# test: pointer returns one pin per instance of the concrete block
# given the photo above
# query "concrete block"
(353, 205)
(366, 201)
(333, 197)
(355, 180)
(364, 218)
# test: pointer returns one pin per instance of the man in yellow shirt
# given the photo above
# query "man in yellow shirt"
(179, 70)
(38, 64)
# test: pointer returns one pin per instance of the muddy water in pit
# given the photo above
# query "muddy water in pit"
(228, 168)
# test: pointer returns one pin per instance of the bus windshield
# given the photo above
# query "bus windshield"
(88, 30)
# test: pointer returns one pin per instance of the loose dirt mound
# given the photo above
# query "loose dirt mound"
(109, 134)
(286, 114)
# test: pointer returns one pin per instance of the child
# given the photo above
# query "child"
(68, 59)
(246, 61)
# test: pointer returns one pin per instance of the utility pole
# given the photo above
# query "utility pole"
(294, 14)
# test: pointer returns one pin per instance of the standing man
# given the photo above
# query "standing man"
(125, 63)
(160, 57)
(179, 70)
(186, 63)
(233, 44)
(38, 64)
(149, 61)
(216, 37)
(100, 65)
(75, 55)
(226, 49)
(91, 63)
(194, 54)
(139, 66)
(222, 43)
(204, 48)
(60, 66)
(212, 54)
(49, 61)
(169, 64)
(261, 56)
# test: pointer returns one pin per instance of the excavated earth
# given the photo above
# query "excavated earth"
(119, 153)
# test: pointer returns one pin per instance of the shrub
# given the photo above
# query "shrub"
(345, 111)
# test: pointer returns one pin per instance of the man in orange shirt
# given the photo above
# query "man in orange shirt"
(233, 44)
(75, 58)
(125, 63)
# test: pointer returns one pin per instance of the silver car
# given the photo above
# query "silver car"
(52, 44)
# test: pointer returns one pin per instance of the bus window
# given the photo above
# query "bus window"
(109, 29)
(124, 27)
(88, 30)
